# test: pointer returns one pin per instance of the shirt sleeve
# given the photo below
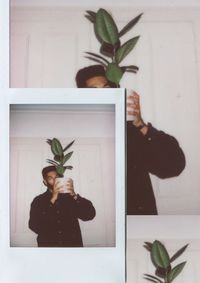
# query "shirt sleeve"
(161, 153)
(84, 208)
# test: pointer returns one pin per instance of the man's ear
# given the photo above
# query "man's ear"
(45, 182)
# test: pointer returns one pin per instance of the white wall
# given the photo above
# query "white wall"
(93, 162)
(47, 49)
(139, 262)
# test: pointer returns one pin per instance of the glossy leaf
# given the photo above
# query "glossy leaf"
(91, 16)
(175, 271)
(96, 60)
(114, 73)
(67, 157)
(60, 170)
(105, 27)
(178, 253)
(68, 146)
(68, 167)
(49, 141)
(125, 49)
(97, 56)
(130, 25)
(56, 147)
(159, 255)
(52, 162)
(148, 246)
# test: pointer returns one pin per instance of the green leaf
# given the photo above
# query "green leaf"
(125, 49)
(96, 60)
(67, 157)
(131, 24)
(56, 147)
(98, 56)
(91, 16)
(178, 253)
(159, 255)
(105, 27)
(49, 141)
(60, 170)
(68, 146)
(175, 271)
(131, 67)
(68, 167)
(148, 246)
(114, 73)
(52, 162)
(153, 277)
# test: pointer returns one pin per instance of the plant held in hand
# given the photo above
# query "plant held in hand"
(109, 36)
(60, 158)
(162, 262)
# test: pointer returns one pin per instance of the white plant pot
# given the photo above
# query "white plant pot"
(63, 183)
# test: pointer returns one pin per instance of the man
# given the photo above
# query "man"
(148, 149)
(54, 214)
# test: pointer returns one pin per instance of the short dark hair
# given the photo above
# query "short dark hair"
(89, 72)
(46, 170)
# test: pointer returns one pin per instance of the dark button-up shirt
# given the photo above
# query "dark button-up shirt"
(157, 153)
(57, 224)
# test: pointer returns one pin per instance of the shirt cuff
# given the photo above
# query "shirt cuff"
(152, 133)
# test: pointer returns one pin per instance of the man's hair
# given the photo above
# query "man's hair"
(89, 72)
(46, 170)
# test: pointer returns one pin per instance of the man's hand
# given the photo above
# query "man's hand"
(70, 187)
(133, 108)
(57, 188)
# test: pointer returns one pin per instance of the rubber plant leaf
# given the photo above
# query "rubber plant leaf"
(178, 253)
(114, 73)
(68, 146)
(52, 162)
(67, 157)
(98, 56)
(148, 246)
(49, 141)
(159, 255)
(96, 60)
(56, 147)
(105, 27)
(68, 167)
(131, 67)
(125, 49)
(175, 271)
(152, 280)
(153, 277)
(91, 16)
(60, 170)
(58, 157)
(130, 25)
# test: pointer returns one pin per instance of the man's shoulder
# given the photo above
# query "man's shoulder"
(41, 197)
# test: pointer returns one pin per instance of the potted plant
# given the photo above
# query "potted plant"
(60, 159)
(160, 258)
(109, 36)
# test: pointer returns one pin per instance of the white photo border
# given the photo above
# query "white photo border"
(71, 264)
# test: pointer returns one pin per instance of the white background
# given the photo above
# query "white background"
(50, 265)
(47, 49)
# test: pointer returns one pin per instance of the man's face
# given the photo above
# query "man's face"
(50, 179)
(97, 82)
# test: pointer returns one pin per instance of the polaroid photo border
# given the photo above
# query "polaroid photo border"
(60, 264)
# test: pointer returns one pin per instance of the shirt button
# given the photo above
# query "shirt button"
(57, 211)
(149, 139)
(140, 207)
(58, 221)
(59, 232)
